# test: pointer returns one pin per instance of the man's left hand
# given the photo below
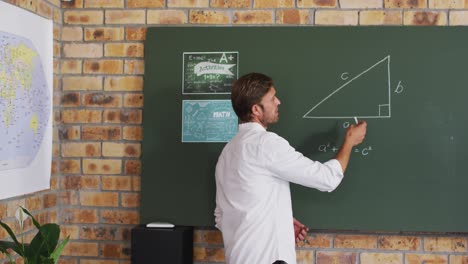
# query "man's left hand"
(300, 231)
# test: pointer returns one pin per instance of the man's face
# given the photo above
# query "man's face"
(269, 105)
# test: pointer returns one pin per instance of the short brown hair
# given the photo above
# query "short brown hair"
(247, 91)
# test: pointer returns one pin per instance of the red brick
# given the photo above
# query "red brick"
(136, 183)
(187, 3)
(317, 3)
(209, 17)
(70, 99)
(130, 200)
(79, 216)
(112, 149)
(69, 198)
(114, 251)
(80, 182)
(123, 50)
(381, 258)
(208, 254)
(102, 100)
(458, 259)
(102, 166)
(50, 200)
(133, 133)
(425, 258)
(127, 83)
(70, 66)
(70, 166)
(101, 132)
(104, 3)
(104, 34)
(133, 167)
(118, 183)
(166, 17)
(135, 33)
(99, 233)
(123, 116)
(69, 230)
(293, 16)
(68, 132)
(213, 237)
(316, 241)
(79, 50)
(355, 241)
(419, 18)
(145, 3)
(399, 243)
(133, 100)
(405, 4)
(125, 17)
(81, 116)
(253, 17)
(82, 83)
(3, 211)
(99, 199)
(119, 217)
(44, 9)
(328, 257)
(273, 3)
(81, 249)
(34, 203)
(83, 17)
(89, 149)
(72, 4)
(230, 3)
(72, 34)
(445, 244)
(134, 67)
(103, 66)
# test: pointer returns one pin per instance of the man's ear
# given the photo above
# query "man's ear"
(256, 110)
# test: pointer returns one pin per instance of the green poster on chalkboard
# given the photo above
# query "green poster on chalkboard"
(209, 72)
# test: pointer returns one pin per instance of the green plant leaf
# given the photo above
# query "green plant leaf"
(58, 250)
(51, 235)
(16, 245)
(4, 245)
(44, 243)
(36, 224)
(48, 260)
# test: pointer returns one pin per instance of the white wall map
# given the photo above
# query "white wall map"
(26, 78)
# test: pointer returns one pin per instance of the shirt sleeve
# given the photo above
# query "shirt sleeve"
(218, 217)
(288, 164)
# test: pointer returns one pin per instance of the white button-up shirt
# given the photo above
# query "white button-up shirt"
(253, 200)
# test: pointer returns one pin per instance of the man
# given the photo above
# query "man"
(253, 200)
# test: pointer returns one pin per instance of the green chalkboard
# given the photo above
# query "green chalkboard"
(408, 83)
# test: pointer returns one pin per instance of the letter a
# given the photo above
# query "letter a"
(223, 58)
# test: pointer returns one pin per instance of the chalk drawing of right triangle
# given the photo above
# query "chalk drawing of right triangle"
(366, 95)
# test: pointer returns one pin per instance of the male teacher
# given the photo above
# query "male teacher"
(253, 200)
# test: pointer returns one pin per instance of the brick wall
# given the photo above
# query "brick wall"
(98, 100)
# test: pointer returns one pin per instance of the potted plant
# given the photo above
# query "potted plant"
(44, 247)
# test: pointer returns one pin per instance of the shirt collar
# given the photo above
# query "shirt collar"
(251, 126)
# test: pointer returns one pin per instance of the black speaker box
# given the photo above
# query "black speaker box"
(162, 245)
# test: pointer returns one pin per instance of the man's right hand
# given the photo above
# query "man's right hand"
(354, 136)
(356, 133)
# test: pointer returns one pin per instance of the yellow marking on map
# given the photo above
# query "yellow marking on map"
(34, 123)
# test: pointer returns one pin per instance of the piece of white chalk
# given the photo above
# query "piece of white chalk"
(355, 120)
